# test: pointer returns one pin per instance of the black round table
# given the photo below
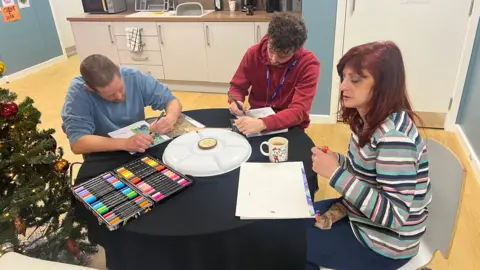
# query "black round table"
(197, 228)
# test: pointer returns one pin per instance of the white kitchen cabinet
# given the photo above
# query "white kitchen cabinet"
(430, 35)
(183, 51)
(261, 29)
(150, 43)
(147, 28)
(141, 58)
(95, 38)
(155, 71)
(227, 43)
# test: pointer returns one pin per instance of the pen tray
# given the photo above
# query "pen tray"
(119, 196)
(152, 178)
(111, 200)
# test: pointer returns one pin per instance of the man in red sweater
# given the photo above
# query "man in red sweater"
(282, 75)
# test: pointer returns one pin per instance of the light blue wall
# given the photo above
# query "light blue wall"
(31, 40)
(320, 17)
(469, 114)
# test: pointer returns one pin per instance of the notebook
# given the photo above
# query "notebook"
(183, 125)
(260, 113)
(273, 191)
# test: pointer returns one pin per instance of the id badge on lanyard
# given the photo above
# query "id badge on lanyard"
(279, 87)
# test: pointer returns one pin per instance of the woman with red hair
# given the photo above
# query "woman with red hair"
(383, 179)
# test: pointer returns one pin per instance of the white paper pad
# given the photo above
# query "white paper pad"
(261, 113)
(182, 126)
(273, 191)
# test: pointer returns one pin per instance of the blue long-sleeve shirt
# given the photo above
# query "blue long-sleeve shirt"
(86, 113)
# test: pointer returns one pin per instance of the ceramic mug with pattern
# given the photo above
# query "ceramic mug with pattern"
(277, 149)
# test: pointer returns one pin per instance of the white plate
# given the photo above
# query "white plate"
(184, 155)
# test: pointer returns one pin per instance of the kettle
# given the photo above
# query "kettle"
(245, 3)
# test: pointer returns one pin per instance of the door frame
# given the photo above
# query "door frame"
(464, 63)
(64, 53)
(337, 55)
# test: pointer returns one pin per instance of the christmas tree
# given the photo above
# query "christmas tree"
(36, 214)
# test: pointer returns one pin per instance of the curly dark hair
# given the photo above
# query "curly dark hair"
(286, 32)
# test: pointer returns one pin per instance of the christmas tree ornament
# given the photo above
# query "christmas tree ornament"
(9, 110)
(61, 165)
(20, 227)
(73, 247)
(3, 68)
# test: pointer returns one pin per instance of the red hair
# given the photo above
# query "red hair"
(383, 60)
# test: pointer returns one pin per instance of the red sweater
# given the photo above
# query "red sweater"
(294, 101)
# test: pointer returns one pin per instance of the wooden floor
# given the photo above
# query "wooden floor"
(48, 88)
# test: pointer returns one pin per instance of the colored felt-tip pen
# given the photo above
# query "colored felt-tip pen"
(236, 102)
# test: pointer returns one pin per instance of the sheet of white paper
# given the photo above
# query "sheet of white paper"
(23, 3)
(138, 127)
(259, 113)
(8, 3)
(273, 191)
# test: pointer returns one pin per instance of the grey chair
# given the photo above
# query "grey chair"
(447, 177)
(70, 175)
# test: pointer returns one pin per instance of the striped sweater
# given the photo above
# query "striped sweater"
(386, 188)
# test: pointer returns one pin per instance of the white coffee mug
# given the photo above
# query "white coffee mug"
(277, 149)
(232, 5)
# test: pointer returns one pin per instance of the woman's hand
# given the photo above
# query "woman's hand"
(324, 164)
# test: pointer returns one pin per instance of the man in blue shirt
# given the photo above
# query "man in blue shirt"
(107, 97)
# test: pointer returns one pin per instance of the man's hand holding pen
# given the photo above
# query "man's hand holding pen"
(163, 125)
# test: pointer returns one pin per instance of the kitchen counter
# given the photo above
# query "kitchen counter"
(216, 16)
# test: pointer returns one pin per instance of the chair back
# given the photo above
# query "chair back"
(447, 177)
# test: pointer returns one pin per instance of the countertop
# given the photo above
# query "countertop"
(216, 16)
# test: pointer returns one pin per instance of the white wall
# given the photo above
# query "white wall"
(61, 10)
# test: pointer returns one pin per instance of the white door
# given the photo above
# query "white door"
(183, 51)
(227, 43)
(430, 34)
(261, 29)
(95, 38)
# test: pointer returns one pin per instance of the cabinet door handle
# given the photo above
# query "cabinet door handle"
(110, 33)
(208, 35)
(354, 3)
(134, 58)
(471, 8)
(258, 33)
(160, 33)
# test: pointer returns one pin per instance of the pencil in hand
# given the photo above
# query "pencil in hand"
(236, 103)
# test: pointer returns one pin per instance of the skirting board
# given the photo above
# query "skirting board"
(206, 87)
(323, 119)
(9, 78)
(467, 148)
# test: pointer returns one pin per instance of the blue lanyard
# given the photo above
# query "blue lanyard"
(281, 82)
